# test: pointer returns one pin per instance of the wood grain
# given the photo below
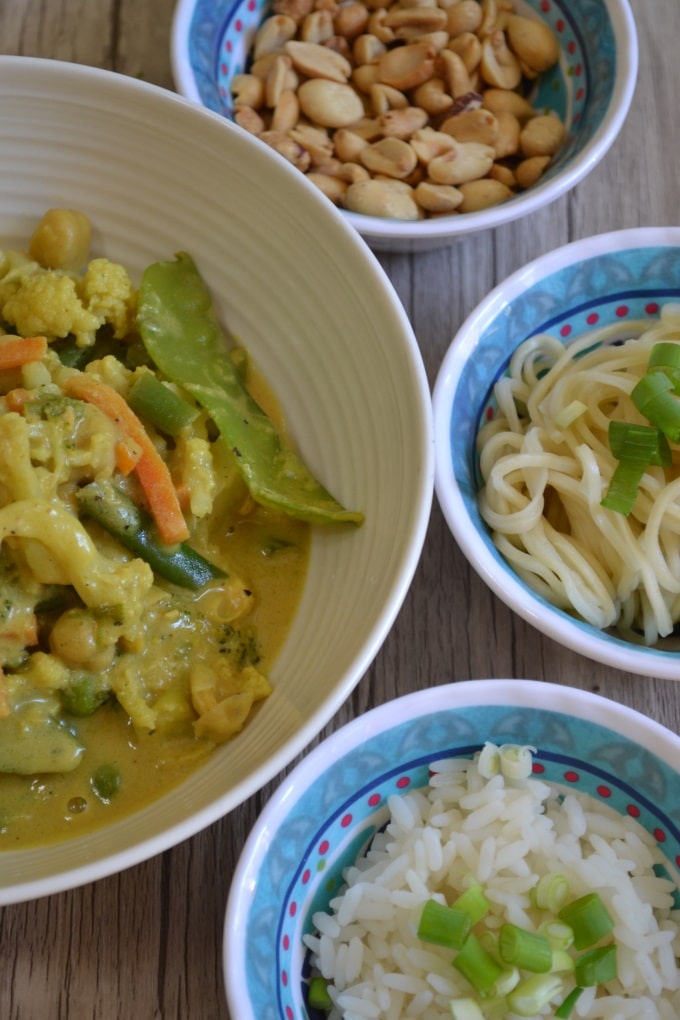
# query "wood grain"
(146, 944)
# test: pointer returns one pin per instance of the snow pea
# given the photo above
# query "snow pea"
(179, 328)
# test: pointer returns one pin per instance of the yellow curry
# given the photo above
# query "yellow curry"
(154, 533)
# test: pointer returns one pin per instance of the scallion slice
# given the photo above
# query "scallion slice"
(665, 357)
(563, 1011)
(558, 934)
(597, 966)
(631, 442)
(588, 918)
(525, 949)
(532, 995)
(623, 487)
(516, 761)
(443, 925)
(477, 966)
(317, 994)
(654, 398)
(466, 1009)
(473, 902)
(550, 892)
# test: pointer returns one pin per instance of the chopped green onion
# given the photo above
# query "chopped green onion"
(653, 396)
(597, 966)
(508, 979)
(563, 1011)
(568, 415)
(443, 926)
(477, 966)
(558, 934)
(489, 761)
(623, 487)
(561, 961)
(473, 902)
(588, 918)
(550, 892)
(665, 357)
(533, 994)
(516, 761)
(466, 1009)
(643, 443)
(317, 994)
(525, 949)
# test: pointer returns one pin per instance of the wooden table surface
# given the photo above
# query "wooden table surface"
(146, 943)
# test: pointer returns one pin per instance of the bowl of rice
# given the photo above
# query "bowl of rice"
(439, 856)
(539, 405)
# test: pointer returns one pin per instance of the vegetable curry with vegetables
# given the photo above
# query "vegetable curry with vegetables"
(154, 533)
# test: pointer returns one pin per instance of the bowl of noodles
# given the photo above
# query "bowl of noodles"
(555, 467)
(202, 510)
(434, 830)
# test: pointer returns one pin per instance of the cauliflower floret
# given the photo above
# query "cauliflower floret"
(54, 303)
(46, 303)
(107, 292)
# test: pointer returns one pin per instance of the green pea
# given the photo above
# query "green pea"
(105, 782)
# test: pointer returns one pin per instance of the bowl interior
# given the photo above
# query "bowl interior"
(326, 812)
(341, 357)
(596, 282)
(590, 88)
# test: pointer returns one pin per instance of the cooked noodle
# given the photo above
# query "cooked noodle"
(546, 465)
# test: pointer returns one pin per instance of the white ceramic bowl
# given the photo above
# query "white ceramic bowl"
(591, 89)
(157, 174)
(326, 811)
(599, 280)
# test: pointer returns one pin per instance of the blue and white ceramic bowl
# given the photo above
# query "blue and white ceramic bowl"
(599, 280)
(325, 812)
(590, 88)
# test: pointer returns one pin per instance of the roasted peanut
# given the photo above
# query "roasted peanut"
(407, 66)
(542, 135)
(318, 61)
(472, 126)
(351, 20)
(432, 97)
(402, 123)
(329, 103)
(506, 142)
(482, 194)
(379, 198)
(466, 161)
(499, 66)
(247, 90)
(348, 145)
(437, 198)
(332, 187)
(533, 42)
(273, 34)
(384, 98)
(530, 170)
(464, 16)
(391, 157)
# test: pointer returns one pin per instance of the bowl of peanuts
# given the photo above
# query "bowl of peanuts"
(421, 120)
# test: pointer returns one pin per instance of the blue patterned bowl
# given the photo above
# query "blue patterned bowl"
(327, 809)
(590, 88)
(600, 280)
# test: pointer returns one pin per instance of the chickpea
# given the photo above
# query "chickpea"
(61, 240)
(77, 640)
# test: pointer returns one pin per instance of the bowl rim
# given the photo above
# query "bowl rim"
(511, 692)
(558, 626)
(34, 73)
(438, 230)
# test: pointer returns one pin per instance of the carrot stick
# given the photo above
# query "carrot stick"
(16, 399)
(16, 351)
(151, 469)
(128, 454)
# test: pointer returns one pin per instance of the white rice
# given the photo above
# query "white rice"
(506, 835)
